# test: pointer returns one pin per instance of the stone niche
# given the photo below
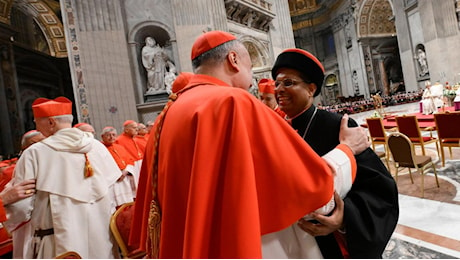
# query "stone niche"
(156, 63)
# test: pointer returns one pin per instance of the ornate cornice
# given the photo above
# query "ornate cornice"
(255, 13)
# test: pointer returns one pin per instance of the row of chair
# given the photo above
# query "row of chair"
(447, 128)
(401, 140)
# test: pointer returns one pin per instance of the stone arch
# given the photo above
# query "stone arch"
(46, 19)
(163, 35)
(257, 51)
(259, 54)
(374, 19)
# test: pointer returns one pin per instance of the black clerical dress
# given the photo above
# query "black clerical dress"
(371, 206)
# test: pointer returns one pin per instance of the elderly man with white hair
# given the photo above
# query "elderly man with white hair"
(75, 173)
(124, 161)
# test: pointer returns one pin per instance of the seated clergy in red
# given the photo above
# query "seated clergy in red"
(124, 161)
(267, 95)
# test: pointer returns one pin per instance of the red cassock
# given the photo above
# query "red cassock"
(121, 156)
(229, 172)
(134, 148)
(141, 140)
(6, 176)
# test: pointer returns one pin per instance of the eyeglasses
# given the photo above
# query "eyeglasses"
(287, 83)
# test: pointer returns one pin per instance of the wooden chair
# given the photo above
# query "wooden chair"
(404, 156)
(408, 125)
(120, 225)
(448, 127)
(377, 133)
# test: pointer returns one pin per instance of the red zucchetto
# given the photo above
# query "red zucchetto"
(210, 40)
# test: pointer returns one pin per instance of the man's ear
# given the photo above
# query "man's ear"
(312, 88)
(232, 58)
(51, 121)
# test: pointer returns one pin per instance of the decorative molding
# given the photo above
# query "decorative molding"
(44, 17)
(75, 64)
(5, 9)
(255, 14)
(375, 19)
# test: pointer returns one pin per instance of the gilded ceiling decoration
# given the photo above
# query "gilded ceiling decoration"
(307, 13)
(5, 7)
(46, 19)
(375, 19)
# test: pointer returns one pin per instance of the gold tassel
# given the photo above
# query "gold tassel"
(154, 229)
(88, 169)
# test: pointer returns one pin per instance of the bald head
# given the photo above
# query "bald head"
(86, 128)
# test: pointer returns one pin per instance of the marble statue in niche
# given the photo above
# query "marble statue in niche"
(157, 65)
(422, 62)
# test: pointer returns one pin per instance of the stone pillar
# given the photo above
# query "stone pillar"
(99, 62)
(384, 77)
(283, 19)
(219, 16)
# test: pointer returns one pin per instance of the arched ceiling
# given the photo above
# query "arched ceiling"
(46, 15)
(307, 13)
(376, 19)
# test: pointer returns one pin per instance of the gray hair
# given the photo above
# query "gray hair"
(214, 55)
(28, 135)
(64, 118)
(108, 129)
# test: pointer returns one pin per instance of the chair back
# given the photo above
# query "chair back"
(408, 125)
(120, 225)
(375, 127)
(448, 125)
(402, 149)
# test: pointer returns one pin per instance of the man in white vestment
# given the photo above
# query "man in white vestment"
(74, 173)
(429, 107)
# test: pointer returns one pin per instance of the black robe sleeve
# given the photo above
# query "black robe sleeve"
(371, 206)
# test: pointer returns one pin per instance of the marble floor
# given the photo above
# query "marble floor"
(428, 227)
